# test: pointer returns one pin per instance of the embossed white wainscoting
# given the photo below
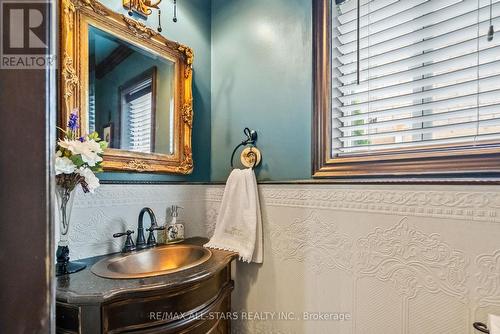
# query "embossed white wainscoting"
(115, 208)
(398, 259)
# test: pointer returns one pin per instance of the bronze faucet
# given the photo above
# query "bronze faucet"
(141, 242)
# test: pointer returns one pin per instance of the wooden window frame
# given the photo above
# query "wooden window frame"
(149, 73)
(445, 162)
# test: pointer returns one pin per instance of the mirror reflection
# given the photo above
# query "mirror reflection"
(131, 95)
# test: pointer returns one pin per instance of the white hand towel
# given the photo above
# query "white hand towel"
(239, 224)
(494, 324)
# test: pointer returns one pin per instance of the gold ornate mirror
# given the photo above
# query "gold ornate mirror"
(128, 83)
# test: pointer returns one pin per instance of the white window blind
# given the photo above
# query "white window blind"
(137, 122)
(91, 108)
(427, 75)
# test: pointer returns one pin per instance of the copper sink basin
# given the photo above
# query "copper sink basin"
(152, 262)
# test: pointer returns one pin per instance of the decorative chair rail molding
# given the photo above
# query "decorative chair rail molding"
(469, 205)
(122, 195)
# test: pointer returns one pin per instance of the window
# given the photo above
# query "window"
(406, 87)
(138, 114)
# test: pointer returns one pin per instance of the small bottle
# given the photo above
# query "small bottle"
(175, 230)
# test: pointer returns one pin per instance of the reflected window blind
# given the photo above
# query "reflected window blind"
(91, 108)
(428, 76)
(138, 102)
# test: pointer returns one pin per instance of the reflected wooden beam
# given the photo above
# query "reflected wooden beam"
(115, 58)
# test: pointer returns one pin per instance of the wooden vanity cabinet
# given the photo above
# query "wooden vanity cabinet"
(197, 308)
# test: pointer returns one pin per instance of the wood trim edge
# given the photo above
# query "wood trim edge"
(442, 164)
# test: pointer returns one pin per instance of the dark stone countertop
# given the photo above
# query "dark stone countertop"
(86, 288)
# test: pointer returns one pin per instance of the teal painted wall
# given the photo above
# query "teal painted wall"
(253, 67)
(194, 29)
(262, 79)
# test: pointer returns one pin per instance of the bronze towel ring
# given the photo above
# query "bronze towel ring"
(251, 138)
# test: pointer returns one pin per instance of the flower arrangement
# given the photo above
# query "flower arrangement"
(78, 159)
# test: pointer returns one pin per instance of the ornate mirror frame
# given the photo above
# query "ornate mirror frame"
(75, 17)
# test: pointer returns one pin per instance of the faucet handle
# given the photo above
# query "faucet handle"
(129, 244)
(121, 234)
(155, 228)
(151, 237)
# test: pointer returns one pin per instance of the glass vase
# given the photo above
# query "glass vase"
(64, 200)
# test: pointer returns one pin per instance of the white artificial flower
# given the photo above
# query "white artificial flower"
(64, 165)
(88, 150)
(90, 179)
(68, 144)
(94, 146)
